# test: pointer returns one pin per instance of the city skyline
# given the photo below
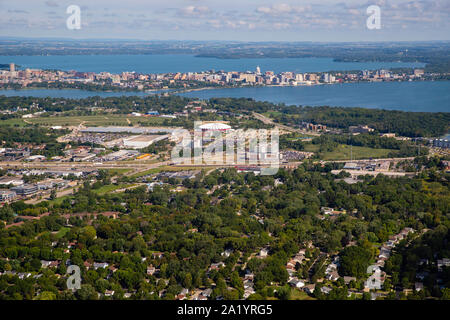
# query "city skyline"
(285, 20)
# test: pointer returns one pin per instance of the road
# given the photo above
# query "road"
(267, 120)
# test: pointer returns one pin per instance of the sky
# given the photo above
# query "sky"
(243, 20)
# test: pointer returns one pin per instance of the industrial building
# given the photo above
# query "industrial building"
(441, 143)
(132, 130)
(142, 141)
(25, 189)
(7, 195)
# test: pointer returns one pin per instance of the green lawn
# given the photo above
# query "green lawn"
(297, 294)
(342, 152)
(272, 114)
(117, 171)
(97, 120)
(146, 172)
(59, 200)
(110, 188)
(62, 232)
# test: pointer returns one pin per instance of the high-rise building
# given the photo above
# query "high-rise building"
(12, 67)
(258, 70)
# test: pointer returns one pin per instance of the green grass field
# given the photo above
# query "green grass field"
(110, 188)
(62, 232)
(97, 120)
(342, 152)
(297, 294)
(59, 200)
(118, 171)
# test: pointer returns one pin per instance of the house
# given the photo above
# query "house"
(180, 297)
(263, 252)
(385, 249)
(216, 266)
(309, 288)
(407, 291)
(332, 276)
(445, 262)
(326, 210)
(348, 279)
(23, 275)
(296, 283)
(248, 292)
(109, 293)
(290, 270)
(151, 270)
(102, 265)
(112, 269)
(325, 290)
(375, 295)
(206, 292)
(390, 243)
(71, 245)
(421, 275)
(249, 276)
(226, 253)
(184, 291)
(248, 284)
(380, 263)
(157, 255)
(384, 255)
(299, 258)
(418, 286)
(49, 264)
(423, 262)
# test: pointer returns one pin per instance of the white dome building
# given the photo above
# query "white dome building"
(216, 126)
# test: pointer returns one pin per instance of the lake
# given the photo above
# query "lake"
(426, 96)
(67, 93)
(429, 96)
(171, 63)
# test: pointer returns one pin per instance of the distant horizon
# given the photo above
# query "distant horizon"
(18, 38)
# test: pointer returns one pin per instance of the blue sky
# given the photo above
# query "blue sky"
(246, 20)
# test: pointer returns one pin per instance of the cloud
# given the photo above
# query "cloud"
(282, 8)
(51, 3)
(217, 17)
(17, 11)
(190, 11)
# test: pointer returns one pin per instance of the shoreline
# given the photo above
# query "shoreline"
(179, 90)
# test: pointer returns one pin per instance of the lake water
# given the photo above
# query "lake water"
(68, 93)
(430, 96)
(188, 63)
(426, 96)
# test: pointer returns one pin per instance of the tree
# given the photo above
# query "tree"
(53, 194)
(87, 292)
(354, 261)
(445, 294)
(284, 293)
(46, 295)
